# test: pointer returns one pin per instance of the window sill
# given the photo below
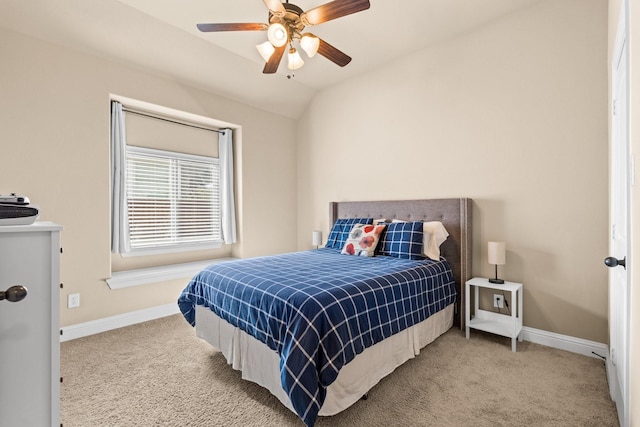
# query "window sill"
(172, 249)
(145, 276)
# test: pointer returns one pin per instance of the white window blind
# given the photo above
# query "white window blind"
(172, 199)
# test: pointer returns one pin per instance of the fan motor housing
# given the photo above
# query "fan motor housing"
(291, 17)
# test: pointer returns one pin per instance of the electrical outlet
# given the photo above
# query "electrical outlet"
(73, 300)
(498, 301)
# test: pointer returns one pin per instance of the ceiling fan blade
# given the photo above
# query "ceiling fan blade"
(276, 7)
(205, 28)
(272, 65)
(333, 10)
(333, 54)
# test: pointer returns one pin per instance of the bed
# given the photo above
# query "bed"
(320, 347)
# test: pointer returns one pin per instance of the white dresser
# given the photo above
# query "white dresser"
(30, 328)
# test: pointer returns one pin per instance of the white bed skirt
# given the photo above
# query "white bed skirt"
(261, 365)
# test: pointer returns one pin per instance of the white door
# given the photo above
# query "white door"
(619, 277)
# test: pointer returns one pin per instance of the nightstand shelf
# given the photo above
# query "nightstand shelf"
(489, 321)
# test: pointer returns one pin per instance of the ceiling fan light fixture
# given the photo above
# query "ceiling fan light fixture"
(309, 43)
(284, 27)
(294, 59)
(266, 49)
(277, 34)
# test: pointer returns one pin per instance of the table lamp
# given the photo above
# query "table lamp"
(496, 256)
(316, 238)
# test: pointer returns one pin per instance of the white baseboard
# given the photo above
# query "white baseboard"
(565, 342)
(538, 336)
(114, 322)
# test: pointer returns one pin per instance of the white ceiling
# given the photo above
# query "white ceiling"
(161, 35)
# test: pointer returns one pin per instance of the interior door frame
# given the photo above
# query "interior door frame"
(620, 392)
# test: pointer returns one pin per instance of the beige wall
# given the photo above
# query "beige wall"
(513, 115)
(54, 112)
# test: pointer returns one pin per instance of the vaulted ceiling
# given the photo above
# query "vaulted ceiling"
(162, 36)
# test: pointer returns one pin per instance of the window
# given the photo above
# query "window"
(172, 181)
(172, 199)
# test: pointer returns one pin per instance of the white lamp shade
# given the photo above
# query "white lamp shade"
(266, 49)
(316, 237)
(277, 35)
(309, 44)
(496, 252)
(295, 60)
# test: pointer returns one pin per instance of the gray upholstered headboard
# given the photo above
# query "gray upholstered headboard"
(455, 215)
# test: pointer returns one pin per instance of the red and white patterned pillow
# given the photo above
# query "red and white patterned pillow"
(363, 239)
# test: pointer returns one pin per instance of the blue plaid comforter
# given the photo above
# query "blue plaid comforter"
(319, 309)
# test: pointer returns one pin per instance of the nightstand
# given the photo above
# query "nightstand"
(489, 321)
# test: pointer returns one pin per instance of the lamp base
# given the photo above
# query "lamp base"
(498, 281)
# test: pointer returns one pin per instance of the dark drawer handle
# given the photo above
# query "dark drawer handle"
(14, 293)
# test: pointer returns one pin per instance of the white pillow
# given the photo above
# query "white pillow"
(434, 235)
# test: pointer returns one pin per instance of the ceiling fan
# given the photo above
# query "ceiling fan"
(286, 24)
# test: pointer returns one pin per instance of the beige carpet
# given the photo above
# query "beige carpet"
(159, 374)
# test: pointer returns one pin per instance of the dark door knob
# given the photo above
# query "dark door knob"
(14, 293)
(614, 262)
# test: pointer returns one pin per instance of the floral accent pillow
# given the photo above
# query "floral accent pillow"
(341, 229)
(363, 239)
